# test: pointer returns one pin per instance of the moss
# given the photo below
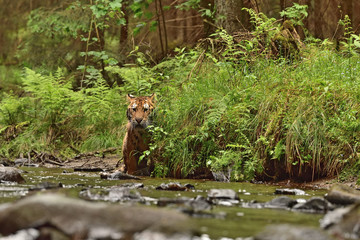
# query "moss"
(286, 42)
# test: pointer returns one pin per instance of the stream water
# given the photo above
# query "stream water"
(228, 222)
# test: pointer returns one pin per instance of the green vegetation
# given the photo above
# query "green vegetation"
(248, 107)
(297, 120)
(52, 117)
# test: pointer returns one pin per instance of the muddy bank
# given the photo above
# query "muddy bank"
(104, 161)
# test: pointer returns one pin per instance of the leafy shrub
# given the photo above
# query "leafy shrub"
(270, 120)
(53, 116)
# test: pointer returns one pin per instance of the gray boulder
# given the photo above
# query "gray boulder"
(113, 194)
(313, 205)
(11, 174)
(343, 222)
(282, 202)
(289, 191)
(343, 195)
(222, 194)
(80, 219)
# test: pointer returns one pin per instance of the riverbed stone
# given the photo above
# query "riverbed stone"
(289, 191)
(113, 194)
(291, 232)
(282, 202)
(80, 219)
(334, 217)
(151, 235)
(11, 174)
(196, 207)
(222, 194)
(132, 185)
(343, 222)
(118, 175)
(313, 205)
(174, 186)
(343, 195)
(45, 186)
(27, 234)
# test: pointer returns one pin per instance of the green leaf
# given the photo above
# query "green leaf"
(148, 15)
(357, 44)
(153, 25)
(116, 5)
(137, 30)
(121, 21)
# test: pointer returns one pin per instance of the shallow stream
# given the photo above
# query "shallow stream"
(231, 222)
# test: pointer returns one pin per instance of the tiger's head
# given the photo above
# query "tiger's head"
(139, 110)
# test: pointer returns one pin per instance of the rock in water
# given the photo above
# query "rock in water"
(343, 222)
(46, 185)
(314, 205)
(80, 219)
(118, 176)
(289, 191)
(222, 194)
(289, 232)
(132, 185)
(11, 174)
(174, 186)
(281, 202)
(343, 195)
(114, 194)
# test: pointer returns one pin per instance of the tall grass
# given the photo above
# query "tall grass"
(273, 119)
(268, 119)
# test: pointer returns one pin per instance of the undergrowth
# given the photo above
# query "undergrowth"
(53, 117)
(272, 119)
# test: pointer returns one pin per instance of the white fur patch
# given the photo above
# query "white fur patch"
(134, 105)
(146, 106)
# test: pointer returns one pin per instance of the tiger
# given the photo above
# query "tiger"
(137, 137)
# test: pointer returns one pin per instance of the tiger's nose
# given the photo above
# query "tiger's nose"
(138, 120)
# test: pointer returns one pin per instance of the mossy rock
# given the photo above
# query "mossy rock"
(287, 42)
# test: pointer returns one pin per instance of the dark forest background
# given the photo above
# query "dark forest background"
(157, 27)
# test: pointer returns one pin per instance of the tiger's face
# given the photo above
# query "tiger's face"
(139, 110)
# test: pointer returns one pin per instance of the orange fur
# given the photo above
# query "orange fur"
(136, 139)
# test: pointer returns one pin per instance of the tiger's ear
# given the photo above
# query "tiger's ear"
(152, 96)
(130, 97)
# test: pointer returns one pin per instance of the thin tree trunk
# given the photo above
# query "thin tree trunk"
(164, 26)
(208, 21)
(235, 18)
(159, 27)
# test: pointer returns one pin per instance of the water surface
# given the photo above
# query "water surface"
(227, 221)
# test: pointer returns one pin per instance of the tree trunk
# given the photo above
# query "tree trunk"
(232, 17)
(208, 21)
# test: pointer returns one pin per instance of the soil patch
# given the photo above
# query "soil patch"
(94, 163)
